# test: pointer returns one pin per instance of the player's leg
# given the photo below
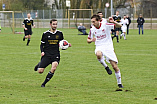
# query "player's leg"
(113, 33)
(45, 61)
(124, 35)
(26, 35)
(36, 67)
(117, 73)
(117, 33)
(29, 39)
(84, 32)
(100, 58)
(50, 74)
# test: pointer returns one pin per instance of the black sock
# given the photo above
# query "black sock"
(28, 41)
(36, 67)
(24, 38)
(48, 77)
(117, 38)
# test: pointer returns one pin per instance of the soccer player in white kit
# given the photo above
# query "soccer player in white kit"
(103, 20)
(100, 34)
(124, 23)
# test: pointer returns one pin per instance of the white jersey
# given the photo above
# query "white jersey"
(103, 40)
(124, 23)
(102, 35)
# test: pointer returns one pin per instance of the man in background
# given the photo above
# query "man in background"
(140, 22)
(129, 20)
(82, 29)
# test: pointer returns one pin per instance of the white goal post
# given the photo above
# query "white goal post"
(77, 10)
(13, 22)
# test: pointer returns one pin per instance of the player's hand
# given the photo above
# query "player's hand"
(42, 53)
(94, 39)
(69, 44)
(34, 26)
(111, 20)
(26, 29)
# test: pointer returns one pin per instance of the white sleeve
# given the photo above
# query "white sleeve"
(90, 35)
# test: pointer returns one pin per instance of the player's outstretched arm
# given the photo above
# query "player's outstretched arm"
(117, 25)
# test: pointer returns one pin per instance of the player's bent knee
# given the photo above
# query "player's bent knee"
(29, 36)
(40, 70)
(99, 54)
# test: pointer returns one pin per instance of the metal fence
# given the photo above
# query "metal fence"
(42, 17)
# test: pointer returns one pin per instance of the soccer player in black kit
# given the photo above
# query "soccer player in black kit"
(117, 18)
(50, 50)
(27, 25)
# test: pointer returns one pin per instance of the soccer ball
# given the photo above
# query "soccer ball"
(63, 44)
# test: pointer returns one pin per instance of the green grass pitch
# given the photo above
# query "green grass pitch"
(79, 78)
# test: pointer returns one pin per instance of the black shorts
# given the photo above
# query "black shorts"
(28, 32)
(117, 29)
(46, 60)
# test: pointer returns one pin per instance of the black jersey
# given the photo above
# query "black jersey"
(50, 42)
(117, 18)
(28, 22)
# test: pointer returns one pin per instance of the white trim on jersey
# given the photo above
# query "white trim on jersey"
(42, 42)
(51, 32)
(28, 19)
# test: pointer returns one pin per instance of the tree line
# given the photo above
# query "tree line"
(16, 5)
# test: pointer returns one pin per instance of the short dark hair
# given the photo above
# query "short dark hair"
(52, 20)
(97, 17)
(124, 15)
(99, 12)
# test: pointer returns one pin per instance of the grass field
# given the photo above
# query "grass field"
(80, 78)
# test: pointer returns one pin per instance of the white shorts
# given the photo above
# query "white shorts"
(108, 53)
(124, 28)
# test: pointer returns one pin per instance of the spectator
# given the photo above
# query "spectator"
(82, 29)
(129, 20)
(140, 22)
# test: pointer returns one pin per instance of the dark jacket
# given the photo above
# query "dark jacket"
(140, 20)
(129, 20)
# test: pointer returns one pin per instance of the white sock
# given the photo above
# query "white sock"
(102, 61)
(124, 36)
(118, 76)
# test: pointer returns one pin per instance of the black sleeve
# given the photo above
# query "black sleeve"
(23, 22)
(137, 20)
(143, 20)
(62, 37)
(41, 48)
(42, 43)
(130, 20)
